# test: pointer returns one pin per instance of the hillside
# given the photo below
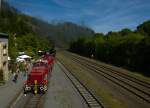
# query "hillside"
(60, 33)
(22, 37)
(13, 21)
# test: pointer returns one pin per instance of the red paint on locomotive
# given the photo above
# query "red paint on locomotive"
(38, 77)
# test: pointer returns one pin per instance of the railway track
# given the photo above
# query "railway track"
(134, 79)
(34, 101)
(28, 101)
(89, 98)
(135, 86)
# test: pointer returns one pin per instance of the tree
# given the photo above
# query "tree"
(125, 32)
(126, 48)
(144, 28)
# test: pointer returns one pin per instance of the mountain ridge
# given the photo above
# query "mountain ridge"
(14, 21)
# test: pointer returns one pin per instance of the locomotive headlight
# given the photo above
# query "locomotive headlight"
(41, 88)
(27, 88)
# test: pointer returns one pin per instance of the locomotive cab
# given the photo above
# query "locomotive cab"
(37, 79)
(36, 82)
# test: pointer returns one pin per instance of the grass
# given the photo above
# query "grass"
(105, 96)
(134, 74)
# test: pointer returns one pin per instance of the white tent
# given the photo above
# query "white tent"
(19, 60)
(40, 51)
(24, 57)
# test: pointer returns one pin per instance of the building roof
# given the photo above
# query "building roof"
(3, 35)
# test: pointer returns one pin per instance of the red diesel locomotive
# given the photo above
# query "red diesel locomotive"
(37, 80)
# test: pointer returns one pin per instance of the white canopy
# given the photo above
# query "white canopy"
(19, 60)
(24, 56)
(40, 51)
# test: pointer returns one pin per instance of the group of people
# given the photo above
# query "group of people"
(20, 67)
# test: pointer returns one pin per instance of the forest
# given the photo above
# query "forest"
(21, 33)
(30, 34)
(126, 48)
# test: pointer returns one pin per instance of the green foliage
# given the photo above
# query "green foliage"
(144, 28)
(126, 48)
(31, 44)
(12, 50)
(13, 21)
(125, 32)
(21, 32)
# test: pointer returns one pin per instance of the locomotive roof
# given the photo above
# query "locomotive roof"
(38, 69)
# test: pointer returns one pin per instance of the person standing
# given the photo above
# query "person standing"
(15, 77)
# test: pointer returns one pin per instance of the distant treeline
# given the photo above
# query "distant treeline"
(126, 48)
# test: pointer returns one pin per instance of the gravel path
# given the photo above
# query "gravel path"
(130, 100)
(10, 90)
(61, 93)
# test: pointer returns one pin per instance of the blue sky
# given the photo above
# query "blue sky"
(100, 15)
